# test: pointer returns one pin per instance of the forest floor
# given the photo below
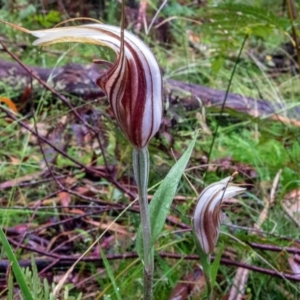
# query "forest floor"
(67, 193)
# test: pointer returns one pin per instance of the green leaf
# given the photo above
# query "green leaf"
(27, 12)
(110, 275)
(206, 265)
(217, 64)
(19, 275)
(215, 266)
(10, 287)
(163, 197)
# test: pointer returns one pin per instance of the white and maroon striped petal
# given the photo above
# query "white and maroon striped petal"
(133, 84)
(207, 215)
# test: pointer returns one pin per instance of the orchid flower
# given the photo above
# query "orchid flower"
(208, 215)
(133, 83)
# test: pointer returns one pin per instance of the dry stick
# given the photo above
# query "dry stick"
(25, 232)
(266, 233)
(40, 228)
(241, 277)
(141, 15)
(55, 262)
(27, 180)
(292, 12)
(76, 206)
(67, 260)
(274, 248)
(268, 202)
(116, 207)
(155, 16)
(267, 247)
(102, 149)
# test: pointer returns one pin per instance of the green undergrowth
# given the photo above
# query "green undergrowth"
(256, 146)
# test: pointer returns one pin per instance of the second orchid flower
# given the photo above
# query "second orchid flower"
(207, 215)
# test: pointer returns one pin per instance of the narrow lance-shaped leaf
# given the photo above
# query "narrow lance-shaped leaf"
(163, 197)
(18, 272)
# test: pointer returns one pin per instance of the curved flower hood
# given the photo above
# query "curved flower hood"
(133, 83)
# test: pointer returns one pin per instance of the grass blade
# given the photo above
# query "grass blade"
(19, 275)
(110, 275)
(215, 266)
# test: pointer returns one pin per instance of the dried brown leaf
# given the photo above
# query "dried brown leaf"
(64, 198)
(291, 205)
(193, 284)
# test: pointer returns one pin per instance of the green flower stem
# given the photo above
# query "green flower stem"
(205, 262)
(141, 175)
(206, 267)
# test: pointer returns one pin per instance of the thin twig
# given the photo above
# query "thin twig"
(141, 15)
(65, 261)
(292, 16)
(225, 97)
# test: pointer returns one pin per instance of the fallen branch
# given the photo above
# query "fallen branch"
(80, 80)
(66, 261)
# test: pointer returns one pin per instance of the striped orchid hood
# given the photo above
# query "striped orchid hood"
(133, 83)
(207, 215)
